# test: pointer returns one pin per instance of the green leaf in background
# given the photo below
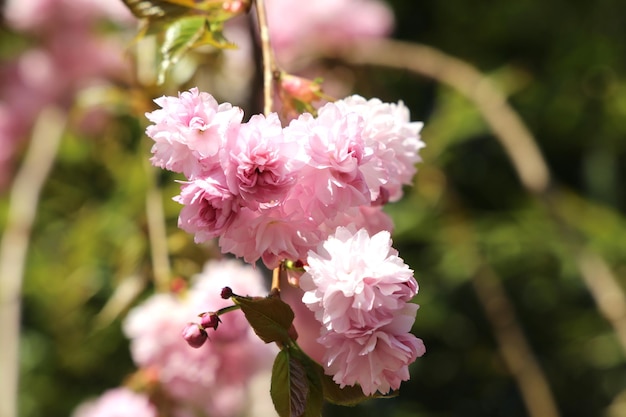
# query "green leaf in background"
(188, 33)
(269, 317)
(184, 25)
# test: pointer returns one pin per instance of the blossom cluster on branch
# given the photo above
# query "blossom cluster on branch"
(310, 192)
(274, 193)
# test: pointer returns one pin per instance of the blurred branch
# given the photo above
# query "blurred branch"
(515, 138)
(512, 343)
(607, 293)
(499, 310)
(517, 141)
(157, 234)
(24, 199)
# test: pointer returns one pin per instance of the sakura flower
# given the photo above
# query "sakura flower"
(118, 402)
(189, 130)
(258, 163)
(359, 290)
(211, 378)
(273, 234)
(392, 138)
(209, 207)
(331, 181)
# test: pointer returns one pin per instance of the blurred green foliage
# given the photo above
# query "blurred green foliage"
(564, 64)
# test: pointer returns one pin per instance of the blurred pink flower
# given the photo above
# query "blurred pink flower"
(118, 402)
(69, 52)
(298, 27)
(359, 290)
(40, 16)
(214, 377)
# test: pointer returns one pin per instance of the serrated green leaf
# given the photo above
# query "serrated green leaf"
(270, 317)
(279, 389)
(296, 389)
(315, 396)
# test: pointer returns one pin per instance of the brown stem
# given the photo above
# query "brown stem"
(276, 279)
(24, 200)
(269, 63)
(512, 344)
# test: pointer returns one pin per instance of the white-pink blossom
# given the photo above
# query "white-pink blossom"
(393, 140)
(273, 234)
(360, 291)
(331, 180)
(214, 377)
(189, 130)
(258, 163)
(209, 206)
(118, 402)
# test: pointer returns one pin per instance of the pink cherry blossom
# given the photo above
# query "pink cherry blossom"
(189, 130)
(258, 163)
(331, 181)
(212, 378)
(118, 402)
(359, 290)
(392, 138)
(209, 207)
(273, 234)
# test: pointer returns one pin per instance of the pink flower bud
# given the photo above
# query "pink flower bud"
(210, 320)
(227, 292)
(194, 335)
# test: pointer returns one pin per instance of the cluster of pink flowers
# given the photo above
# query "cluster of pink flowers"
(359, 290)
(271, 192)
(213, 378)
(312, 192)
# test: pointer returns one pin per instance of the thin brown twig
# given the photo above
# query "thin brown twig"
(515, 138)
(157, 234)
(23, 203)
(269, 63)
(512, 344)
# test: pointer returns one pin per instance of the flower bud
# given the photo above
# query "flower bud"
(194, 335)
(210, 320)
(227, 292)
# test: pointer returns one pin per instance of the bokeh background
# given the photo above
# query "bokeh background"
(512, 280)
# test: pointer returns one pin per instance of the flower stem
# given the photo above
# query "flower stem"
(276, 278)
(269, 64)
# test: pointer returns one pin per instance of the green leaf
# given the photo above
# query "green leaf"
(296, 389)
(280, 386)
(270, 317)
(183, 25)
(185, 34)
